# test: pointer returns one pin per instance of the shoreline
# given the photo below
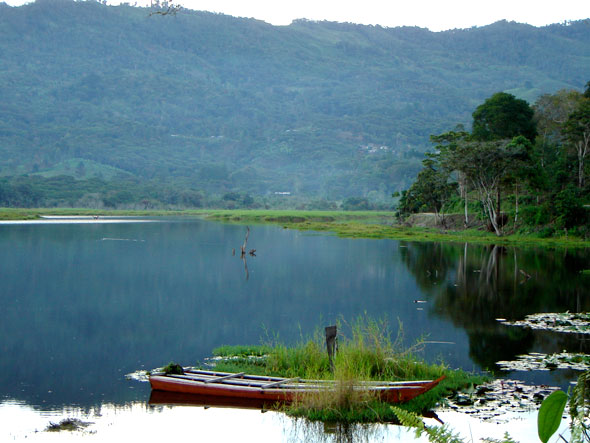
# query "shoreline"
(345, 224)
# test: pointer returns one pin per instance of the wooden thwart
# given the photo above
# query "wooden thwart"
(278, 383)
(225, 377)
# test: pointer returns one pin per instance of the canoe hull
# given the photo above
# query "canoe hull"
(165, 383)
(253, 387)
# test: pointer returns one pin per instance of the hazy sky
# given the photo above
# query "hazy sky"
(433, 14)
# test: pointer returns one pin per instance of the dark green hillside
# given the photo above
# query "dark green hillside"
(209, 103)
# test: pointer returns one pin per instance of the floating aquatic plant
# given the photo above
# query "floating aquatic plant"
(546, 362)
(578, 323)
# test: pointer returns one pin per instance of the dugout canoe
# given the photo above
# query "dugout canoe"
(276, 389)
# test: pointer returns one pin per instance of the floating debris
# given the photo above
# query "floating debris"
(559, 322)
(121, 239)
(144, 376)
(139, 376)
(67, 424)
(494, 401)
(547, 362)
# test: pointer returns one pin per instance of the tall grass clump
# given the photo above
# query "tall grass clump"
(306, 360)
(365, 352)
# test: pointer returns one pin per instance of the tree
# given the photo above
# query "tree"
(520, 168)
(577, 132)
(485, 165)
(356, 204)
(429, 192)
(446, 147)
(552, 111)
(503, 116)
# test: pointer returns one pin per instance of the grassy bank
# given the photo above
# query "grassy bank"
(365, 352)
(347, 224)
(381, 225)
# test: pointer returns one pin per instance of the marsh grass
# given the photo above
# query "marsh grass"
(365, 352)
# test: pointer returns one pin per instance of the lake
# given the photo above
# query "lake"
(85, 302)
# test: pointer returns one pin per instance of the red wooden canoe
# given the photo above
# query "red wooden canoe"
(276, 389)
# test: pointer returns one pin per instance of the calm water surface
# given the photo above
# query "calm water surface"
(85, 303)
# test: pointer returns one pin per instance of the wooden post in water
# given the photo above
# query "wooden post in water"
(331, 332)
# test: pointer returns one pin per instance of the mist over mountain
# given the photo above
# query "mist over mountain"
(216, 104)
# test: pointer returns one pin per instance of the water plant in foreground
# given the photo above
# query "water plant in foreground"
(548, 419)
(550, 414)
(365, 353)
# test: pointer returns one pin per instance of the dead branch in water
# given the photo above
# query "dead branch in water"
(245, 241)
(246, 267)
(243, 252)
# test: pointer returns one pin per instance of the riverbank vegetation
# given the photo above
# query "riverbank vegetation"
(522, 168)
(384, 225)
(365, 352)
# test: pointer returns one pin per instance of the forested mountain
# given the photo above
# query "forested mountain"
(196, 104)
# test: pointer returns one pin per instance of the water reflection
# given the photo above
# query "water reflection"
(86, 303)
(156, 423)
(137, 421)
(304, 430)
(474, 285)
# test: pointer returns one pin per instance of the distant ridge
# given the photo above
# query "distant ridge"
(217, 103)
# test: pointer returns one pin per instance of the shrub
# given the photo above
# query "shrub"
(569, 208)
(535, 215)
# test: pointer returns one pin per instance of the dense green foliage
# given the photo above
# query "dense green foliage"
(503, 116)
(138, 107)
(537, 157)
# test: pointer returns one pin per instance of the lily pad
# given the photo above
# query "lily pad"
(578, 323)
(547, 362)
(499, 399)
